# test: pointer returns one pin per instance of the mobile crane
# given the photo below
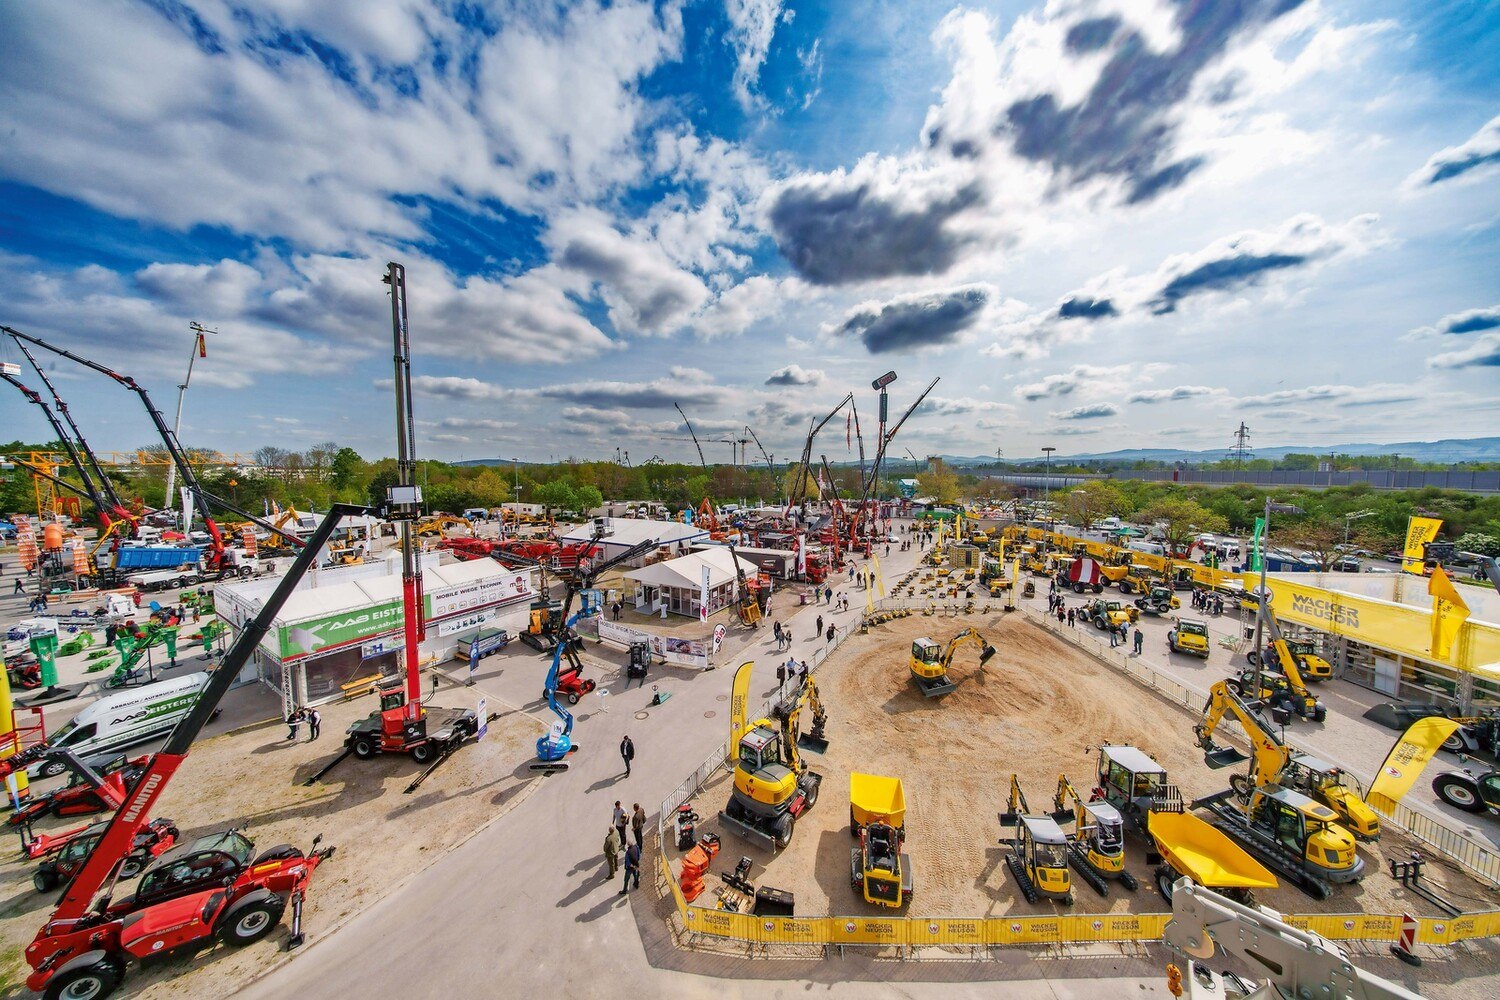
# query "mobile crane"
(554, 746)
(1276, 763)
(772, 783)
(220, 560)
(929, 663)
(85, 947)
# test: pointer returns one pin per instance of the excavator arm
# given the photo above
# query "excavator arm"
(1284, 655)
(1270, 754)
(1068, 800)
(968, 635)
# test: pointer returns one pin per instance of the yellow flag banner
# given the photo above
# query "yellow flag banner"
(1404, 764)
(1419, 531)
(1449, 612)
(739, 705)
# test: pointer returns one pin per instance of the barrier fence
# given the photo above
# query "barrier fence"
(909, 932)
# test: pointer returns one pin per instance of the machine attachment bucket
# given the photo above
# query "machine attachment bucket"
(1224, 757)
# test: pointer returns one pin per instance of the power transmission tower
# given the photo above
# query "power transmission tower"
(1241, 445)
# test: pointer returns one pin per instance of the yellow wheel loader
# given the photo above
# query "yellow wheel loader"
(929, 662)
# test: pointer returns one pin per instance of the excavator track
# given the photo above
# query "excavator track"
(1261, 848)
(1078, 858)
(1018, 869)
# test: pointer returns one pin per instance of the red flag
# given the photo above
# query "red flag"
(202, 346)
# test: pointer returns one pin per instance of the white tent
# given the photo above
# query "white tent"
(677, 583)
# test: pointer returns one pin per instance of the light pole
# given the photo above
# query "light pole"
(1355, 516)
(1047, 482)
(200, 350)
(1263, 596)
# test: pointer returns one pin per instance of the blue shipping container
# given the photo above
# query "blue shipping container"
(156, 556)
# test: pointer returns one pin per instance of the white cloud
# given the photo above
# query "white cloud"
(1340, 395)
(1476, 157)
(1483, 353)
(1171, 395)
(752, 26)
(1092, 411)
(797, 375)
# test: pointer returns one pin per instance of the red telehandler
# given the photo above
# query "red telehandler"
(229, 894)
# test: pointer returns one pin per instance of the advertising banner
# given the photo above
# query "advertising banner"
(1449, 612)
(463, 623)
(445, 601)
(1419, 531)
(305, 638)
(668, 649)
(1404, 764)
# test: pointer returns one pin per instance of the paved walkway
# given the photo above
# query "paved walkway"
(525, 903)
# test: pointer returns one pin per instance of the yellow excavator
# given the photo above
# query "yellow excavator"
(930, 662)
(1285, 690)
(1097, 845)
(772, 783)
(1038, 855)
(1275, 763)
(438, 526)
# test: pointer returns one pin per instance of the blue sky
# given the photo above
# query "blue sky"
(1102, 223)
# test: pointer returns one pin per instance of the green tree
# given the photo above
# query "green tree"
(587, 498)
(488, 489)
(556, 495)
(1180, 519)
(1479, 543)
(347, 469)
(1093, 500)
(940, 483)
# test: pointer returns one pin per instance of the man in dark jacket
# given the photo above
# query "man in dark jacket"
(627, 753)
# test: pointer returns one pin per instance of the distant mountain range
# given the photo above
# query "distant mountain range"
(1485, 449)
(492, 461)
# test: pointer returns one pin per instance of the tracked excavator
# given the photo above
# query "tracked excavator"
(1285, 690)
(1038, 855)
(772, 783)
(1096, 848)
(1275, 763)
(930, 662)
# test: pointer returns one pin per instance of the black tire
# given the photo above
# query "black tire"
(132, 866)
(1164, 877)
(1098, 588)
(44, 879)
(52, 768)
(785, 823)
(1234, 687)
(422, 753)
(1455, 742)
(812, 797)
(89, 982)
(180, 582)
(1319, 713)
(245, 572)
(249, 924)
(572, 698)
(1253, 657)
(1459, 792)
(1241, 785)
(364, 748)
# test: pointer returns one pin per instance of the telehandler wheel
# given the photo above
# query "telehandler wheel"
(1454, 789)
(422, 753)
(44, 880)
(88, 982)
(1455, 742)
(251, 923)
(783, 830)
(364, 748)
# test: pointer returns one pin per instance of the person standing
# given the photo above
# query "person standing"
(292, 722)
(1114, 637)
(820, 626)
(830, 633)
(1140, 639)
(1072, 614)
(620, 820)
(776, 631)
(632, 869)
(780, 676)
(827, 593)
(612, 851)
(627, 754)
(314, 724)
(638, 825)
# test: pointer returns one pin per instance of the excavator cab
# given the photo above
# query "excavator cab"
(1326, 784)
(1309, 830)
(1135, 784)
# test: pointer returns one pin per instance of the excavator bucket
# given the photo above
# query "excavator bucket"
(936, 687)
(1224, 757)
(985, 654)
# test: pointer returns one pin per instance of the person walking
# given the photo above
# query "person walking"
(20, 588)
(621, 820)
(632, 869)
(292, 722)
(828, 592)
(776, 631)
(638, 825)
(627, 754)
(1060, 616)
(314, 724)
(612, 851)
(830, 633)
(786, 633)
(1140, 639)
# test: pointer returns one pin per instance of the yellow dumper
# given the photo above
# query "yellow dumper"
(878, 870)
(1189, 846)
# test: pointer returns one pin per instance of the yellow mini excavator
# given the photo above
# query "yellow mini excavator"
(930, 662)
(1038, 855)
(772, 784)
(1276, 763)
(1285, 690)
(1097, 845)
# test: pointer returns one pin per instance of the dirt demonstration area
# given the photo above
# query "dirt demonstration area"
(256, 779)
(1032, 710)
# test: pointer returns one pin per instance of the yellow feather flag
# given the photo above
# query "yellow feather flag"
(1419, 531)
(1404, 764)
(1449, 612)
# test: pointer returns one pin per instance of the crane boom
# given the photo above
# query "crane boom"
(88, 490)
(201, 497)
(106, 488)
(771, 468)
(701, 460)
(799, 488)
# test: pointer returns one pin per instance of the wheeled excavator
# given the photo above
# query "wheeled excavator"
(772, 783)
(930, 662)
(1097, 845)
(1275, 763)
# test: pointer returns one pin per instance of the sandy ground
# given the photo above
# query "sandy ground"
(1032, 710)
(256, 777)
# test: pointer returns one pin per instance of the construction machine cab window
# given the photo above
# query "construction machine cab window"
(1192, 628)
(925, 650)
(760, 749)
(1051, 855)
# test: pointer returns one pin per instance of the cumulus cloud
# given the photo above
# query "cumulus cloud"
(1075, 378)
(646, 291)
(1093, 411)
(475, 424)
(684, 389)
(1483, 353)
(1340, 395)
(1478, 154)
(962, 406)
(451, 387)
(1468, 321)
(917, 320)
(1169, 395)
(797, 375)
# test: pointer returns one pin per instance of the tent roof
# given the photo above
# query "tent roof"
(628, 531)
(687, 571)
